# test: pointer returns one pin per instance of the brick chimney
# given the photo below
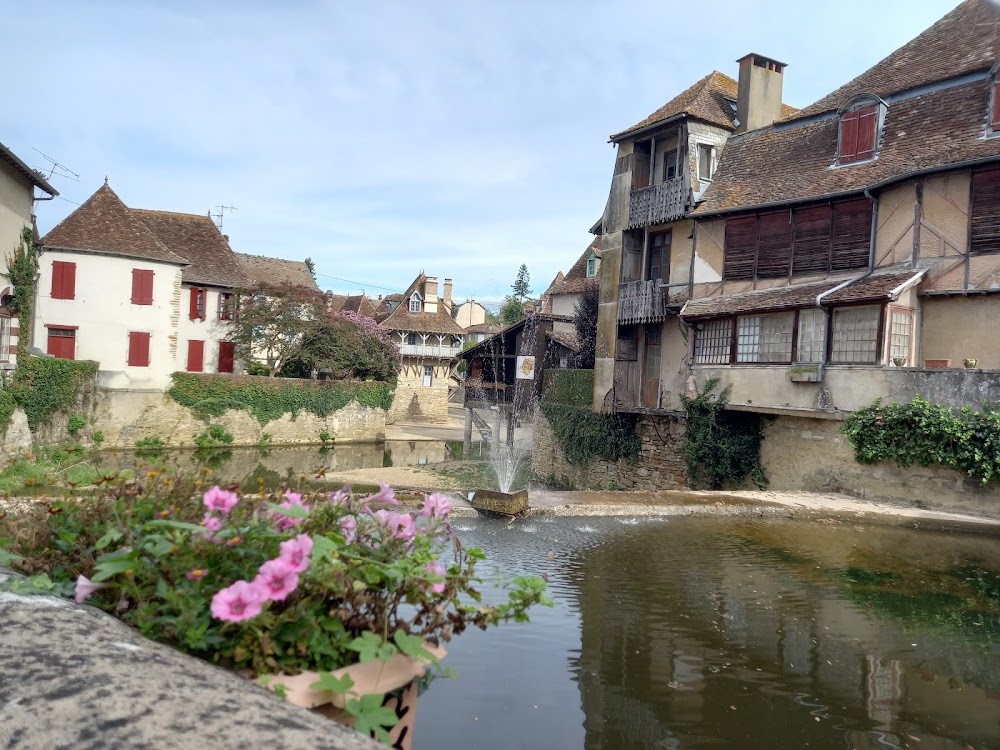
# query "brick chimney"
(758, 98)
(446, 296)
(431, 294)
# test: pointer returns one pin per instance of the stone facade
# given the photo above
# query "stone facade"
(414, 401)
(660, 464)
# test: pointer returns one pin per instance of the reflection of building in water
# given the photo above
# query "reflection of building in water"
(693, 636)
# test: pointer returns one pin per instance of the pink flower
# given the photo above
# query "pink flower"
(241, 601)
(295, 498)
(341, 497)
(295, 552)
(234, 541)
(435, 571)
(221, 500)
(282, 522)
(85, 587)
(211, 523)
(348, 525)
(436, 506)
(277, 579)
(384, 495)
(196, 574)
(400, 525)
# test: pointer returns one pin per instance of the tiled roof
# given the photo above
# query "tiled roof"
(103, 223)
(708, 100)
(261, 269)
(575, 281)
(200, 241)
(401, 319)
(879, 286)
(33, 176)
(932, 131)
(569, 340)
(487, 328)
(963, 41)
(356, 303)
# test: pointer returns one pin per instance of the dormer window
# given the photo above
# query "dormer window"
(591, 265)
(415, 302)
(995, 100)
(859, 125)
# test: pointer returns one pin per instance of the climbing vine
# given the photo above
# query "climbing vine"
(721, 447)
(584, 435)
(268, 399)
(22, 267)
(925, 433)
(570, 387)
(43, 386)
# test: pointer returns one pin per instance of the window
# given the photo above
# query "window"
(812, 335)
(428, 375)
(227, 306)
(713, 342)
(900, 334)
(591, 267)
(627, 345)
(63, 280)
(764, 338)
(4, 338)
(196, 356)
(985, 234)
(706, 166)
(411, 339)
(61, 341)
(857, 135)
(669, 167)
(138, 349)
(855, 335)
(199, 297)
(995, 104)
(142, 287)
(658, 263)
(651, 365)
(415, 303)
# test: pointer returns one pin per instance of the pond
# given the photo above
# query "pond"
(730, 633)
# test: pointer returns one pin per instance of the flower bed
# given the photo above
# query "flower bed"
(266, 584)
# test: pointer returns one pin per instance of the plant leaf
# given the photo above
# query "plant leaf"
(110, 536)
(328, 683)
(292, 511)
(413, 646)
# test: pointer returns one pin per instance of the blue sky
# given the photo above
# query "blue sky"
(461, 138)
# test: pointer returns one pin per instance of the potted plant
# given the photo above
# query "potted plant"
(970, 363)
(899, 361)
(292, 590)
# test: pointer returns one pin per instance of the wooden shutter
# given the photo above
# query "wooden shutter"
(63, 280)
(985, 235)
(147, 288)
(62, 343)
(995, 116)
(138, 349)
(226, 356)
(848, 137)
(142, 287)
(774, 245)
(196, 356)
(741, 247)
(812, 240)
(136, 290)
(867, 120)
(852, 227)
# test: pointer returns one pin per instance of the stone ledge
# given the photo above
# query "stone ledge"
(74, 677)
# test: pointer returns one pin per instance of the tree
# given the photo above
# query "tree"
(521, 287)
(271, 321)
(511, 311)
(585, 323)
(311, 265)
(347, 345)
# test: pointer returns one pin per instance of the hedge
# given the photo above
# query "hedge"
(582, 434)
(43, 386)
(570, 387)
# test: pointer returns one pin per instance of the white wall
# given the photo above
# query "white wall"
(470, 314)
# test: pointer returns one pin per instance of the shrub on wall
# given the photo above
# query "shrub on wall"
(570, 387)
(925, 433)
(43, 386)
(7, 406)
(268, 399)
(583, 435)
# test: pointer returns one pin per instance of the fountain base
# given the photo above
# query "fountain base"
(503, 503)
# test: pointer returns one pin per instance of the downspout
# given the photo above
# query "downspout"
(866, 274)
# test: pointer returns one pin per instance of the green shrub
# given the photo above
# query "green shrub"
(97, 437)
(215, 436)
(267, 399)
(570, 387)
(43, 386)
(7, 406)
(925, 433)
(75, 423)
(582, 434)
(325, 437)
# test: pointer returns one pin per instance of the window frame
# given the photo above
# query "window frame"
(890, 313)
(993, 105)
(878, 359)
(133, 338)
(6, 324)
(663, 251)
(59, 289)
(701, 148)
(141, 279)
(227, 306)
(415, 297)
(857, 108)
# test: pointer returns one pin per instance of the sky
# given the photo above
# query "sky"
(389, 137)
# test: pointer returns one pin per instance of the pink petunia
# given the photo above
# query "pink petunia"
(295, 552)
(385, 494)
(85, 587)
(220, 500)
(348, 525)
(400, 525)
(341, 497)
(283, 522)
(436, 506)
(436, 571)
(277, 578)
(211, 523)
(241, 601)
(295, 498)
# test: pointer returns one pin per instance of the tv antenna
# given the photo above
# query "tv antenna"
(57, 169)
(221, 213)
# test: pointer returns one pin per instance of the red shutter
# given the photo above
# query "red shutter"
(63, 280)
(226, 352)
(62, 343)
(867, 120)
(741, 247)
(848, 137)
(138, 349)
(142, 287)
(995, 118)
(204, 304)
(193, 314)
(57, 274)
(196, 356)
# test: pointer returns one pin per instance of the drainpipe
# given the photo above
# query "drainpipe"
(866, 274)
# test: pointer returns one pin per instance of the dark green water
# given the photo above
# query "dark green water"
(730, 633)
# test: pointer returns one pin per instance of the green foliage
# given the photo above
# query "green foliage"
(43, 386)
(721, 446)
(268, 399)
(521, 287)
(570, 387)
(7, 406)
(152, 443)
(925, 433)
(348, 347)
(75, 423)
(582, 434)
(511, 311)
(325, 437)
(97, 437)
(215, 436)
(22, 267)
(585, 324)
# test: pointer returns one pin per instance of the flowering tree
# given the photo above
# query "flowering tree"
(348, 346)
(271, 320)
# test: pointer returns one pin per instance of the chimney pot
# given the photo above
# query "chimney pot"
(758, 98)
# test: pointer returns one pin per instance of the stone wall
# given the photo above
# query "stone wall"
(415, 402)
(659, 466)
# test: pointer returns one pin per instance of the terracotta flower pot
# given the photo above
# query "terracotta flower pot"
(395, 679)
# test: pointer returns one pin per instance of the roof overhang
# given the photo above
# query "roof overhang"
(114, 254)
(34, 177)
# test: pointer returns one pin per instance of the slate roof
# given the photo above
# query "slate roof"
(487, 328)
(568, 340)
(263, 270)
(575, 281)
(33, 175)
(885, 285)
(104, 224)
(931, 131)
(707, 100)
(198, 239)
(356, 303)
(401, 319)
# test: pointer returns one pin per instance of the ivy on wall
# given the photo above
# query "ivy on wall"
(584, 435)
(721, 447)
(43, 386)
(570, 387)
(268, 399)
(7, 406)
(925, 433)
(22, 267)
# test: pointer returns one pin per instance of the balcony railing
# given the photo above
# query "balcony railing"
(656, 204)
(641, 302)
(429, 350)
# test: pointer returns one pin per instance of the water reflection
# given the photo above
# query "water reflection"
(716, 632)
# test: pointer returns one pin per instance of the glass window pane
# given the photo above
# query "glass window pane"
(855, 335)
(812, 333)
(712, 342)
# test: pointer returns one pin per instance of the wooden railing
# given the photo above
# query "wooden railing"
(656, 204)
(641, 302)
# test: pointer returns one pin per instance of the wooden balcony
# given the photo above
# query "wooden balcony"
(641, 302)
(666, 201)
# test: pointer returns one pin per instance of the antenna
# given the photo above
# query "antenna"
(222, 211)
(58, 169)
